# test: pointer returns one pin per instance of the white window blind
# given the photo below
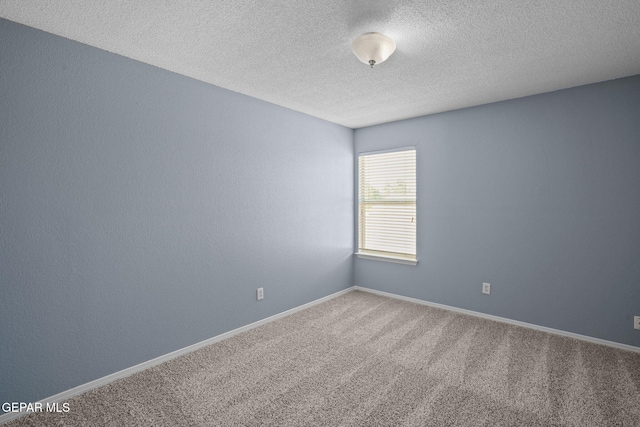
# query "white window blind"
(387, 204)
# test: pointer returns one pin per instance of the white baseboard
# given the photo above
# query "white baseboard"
(504, 320)
(65, 395)
(68, 394)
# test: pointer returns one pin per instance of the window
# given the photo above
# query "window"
(387, 206)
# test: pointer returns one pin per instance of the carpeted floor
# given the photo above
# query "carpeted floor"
(365, 360)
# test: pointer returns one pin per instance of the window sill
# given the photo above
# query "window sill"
(387, 259)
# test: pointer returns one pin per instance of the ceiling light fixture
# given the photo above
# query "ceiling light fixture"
(373, 48)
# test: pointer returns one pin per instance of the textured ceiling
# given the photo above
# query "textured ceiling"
(451, 53)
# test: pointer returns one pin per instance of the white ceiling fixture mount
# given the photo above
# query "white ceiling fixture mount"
(373, 48)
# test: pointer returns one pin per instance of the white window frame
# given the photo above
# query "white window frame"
(376, 254)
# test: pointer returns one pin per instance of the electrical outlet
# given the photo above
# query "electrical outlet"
(260, 293)
(636, 322)
(486, 288)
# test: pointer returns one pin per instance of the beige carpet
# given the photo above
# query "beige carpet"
(365, 360)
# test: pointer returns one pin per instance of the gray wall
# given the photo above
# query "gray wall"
(539, 196)
(140, 210)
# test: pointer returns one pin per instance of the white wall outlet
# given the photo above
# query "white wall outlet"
(260, 293)
(636, 322)
(486, 288)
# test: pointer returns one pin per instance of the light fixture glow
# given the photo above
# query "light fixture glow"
(373, 48)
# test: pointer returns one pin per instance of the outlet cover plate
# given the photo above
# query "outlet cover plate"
(486, 288)
(260, 293)
(636, 322)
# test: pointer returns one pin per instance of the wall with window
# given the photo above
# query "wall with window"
(140, 210)
(538, 196)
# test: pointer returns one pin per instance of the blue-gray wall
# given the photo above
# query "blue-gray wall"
(140, 210)
(539, 196)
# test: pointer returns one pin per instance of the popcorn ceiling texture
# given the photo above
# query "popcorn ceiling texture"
(451, 53)
(366, 360)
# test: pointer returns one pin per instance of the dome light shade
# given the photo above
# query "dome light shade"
(373, 48)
